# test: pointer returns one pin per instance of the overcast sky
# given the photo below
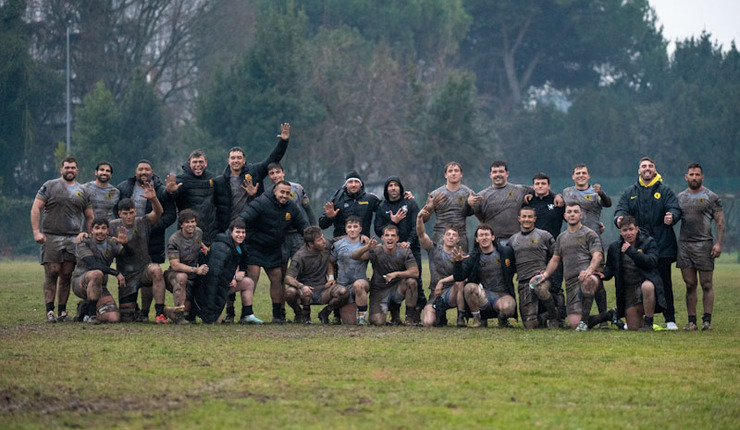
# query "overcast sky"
(685, 18)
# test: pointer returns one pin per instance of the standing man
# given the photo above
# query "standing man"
(532, 250)
(580, 251)
(633, 263)
(349, 200)
(656, 209)
(310, 279)
(242, 182)
(268, 218)
(194, 189)
(133, 188)
(549, 217)
(135, 264)
(395, 275)
(450, 203)
(592, 200)
(67, 212)
(352, 273)
(103, 196)
(696, 246)
(489, 287)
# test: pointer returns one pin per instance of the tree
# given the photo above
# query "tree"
(97, 133)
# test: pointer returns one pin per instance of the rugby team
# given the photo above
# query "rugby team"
(250, 218)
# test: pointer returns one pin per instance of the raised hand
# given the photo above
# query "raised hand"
(474, 199)
(284, 131)
(458, 255)
(249, 187)
(170, 183)
(597, 188)
(149, 192)
(121, 235)
(330, 211)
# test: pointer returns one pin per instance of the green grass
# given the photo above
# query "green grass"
(147, 376)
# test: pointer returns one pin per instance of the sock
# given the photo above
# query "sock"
(595, 320)
(232, 297)
(692, 319)
(276, 310)
(362, 308)
(648, 321)
(475, 313)
(159, 309)
(61, 309)
(586, 302)
(552, 310)
(247, 310)
(707, 318)
(230, 310)
(410, 312)
(91, 307)
(601, 299)
(49, 307)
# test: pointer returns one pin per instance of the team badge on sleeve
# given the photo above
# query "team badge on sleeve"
(287, 216)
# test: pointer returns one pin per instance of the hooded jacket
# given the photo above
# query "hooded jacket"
(156, 238)
(257, 171)
(362, 204)
(407, 226)
(196, 193)
(268, 220)
(211, 290)
(648, 203)
(644, 253)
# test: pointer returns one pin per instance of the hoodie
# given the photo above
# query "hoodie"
(407, 226)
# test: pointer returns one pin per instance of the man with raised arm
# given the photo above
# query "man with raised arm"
(67, 211)
(450, 204)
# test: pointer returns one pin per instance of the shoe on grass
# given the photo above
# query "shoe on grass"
(250, 319)
(161, 319)
(50, 318)
(671, 326)
(706, 325)
(582, 326)
(691, 326)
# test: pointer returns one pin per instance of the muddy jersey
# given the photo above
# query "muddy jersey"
(137, 196)
(103, 199)
(298, 195)
(400, 260)
(440, 265)
(590, 203)
(239, 197)
(104, 252)
(309, 267)
(136, 257)
(698, 210)
(576, 249)
(490, 272)
(185, 249)
(64, 207)
(452, 212)
(532, 251)
(349, 270)
(500, 208)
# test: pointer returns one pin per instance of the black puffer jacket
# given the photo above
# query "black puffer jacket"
(268, 220)
(156, 238)
(649, 205)
(196, 193)
(212, 290)
(407, 226)
(258, 172)
(362, 205)
(644, 253)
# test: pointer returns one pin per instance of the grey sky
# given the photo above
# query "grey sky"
(685, 18)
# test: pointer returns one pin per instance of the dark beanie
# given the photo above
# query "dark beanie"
(145, 161)
(352, 174)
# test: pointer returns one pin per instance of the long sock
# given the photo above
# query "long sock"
(159, 309)
(587, 302)
(692, 318)
(276, 308)
(61, 309)
(707, 318)
(91, 307)
(247, 310)
(49, 306)
(601, 298)
(648, 321)
(362, 308)
(230, 310)
(552, 310)
(595, 320)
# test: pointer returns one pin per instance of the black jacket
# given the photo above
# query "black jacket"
(467, 269)
(258, 171)
(362, 205)
(196, 193)
(212, 290)
(649, 205)
(268, 220)
(407, 226)
(157, 242)
(645, 255)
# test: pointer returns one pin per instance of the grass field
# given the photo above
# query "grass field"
(147, 376)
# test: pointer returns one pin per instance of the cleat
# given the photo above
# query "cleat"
(308, 322)
(161, 319)
(671, 326)
(228, 319)
(582, 326)
(250, 319)
(706, 325)
(50, 318)
(604, 326)
(504, 323)
(278, 320)
(142, 318)
(477, 321)
(63, 317)
(81, 312)
(691, 326)
(324, 316)
(461, 321)
(553, 324)
(362, 320)
(92, 320)
(646, 328)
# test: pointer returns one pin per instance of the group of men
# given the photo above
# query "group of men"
(232, 226)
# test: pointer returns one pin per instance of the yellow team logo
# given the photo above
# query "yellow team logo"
(587, 197)
(79, 193)
(656, 195)
(210, 182)
(109, 195)
(633, 197)
(363, 203)
(511, 194)
(534, 241)
(292, 195)
(507, 262)
(639, 249)
(247, 177)
(287, 216)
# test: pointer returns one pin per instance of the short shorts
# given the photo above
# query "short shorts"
(695, 255)
(58, 249)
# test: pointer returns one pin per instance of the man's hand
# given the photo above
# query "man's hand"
(625, 246)
(398, 216)
(121, 235)
(438, 289)
(597, 188)
(249, 187)
(330, 283)
(82, 236)
(121, 280)
(584, 275)
(202, 269)
(149, 192)
(404, 245)
(558, 200)
(232, 284)
(474, 200)
(458, 255)
(390, 277)
(364, 239)
(170, 183)
(528, 198)
(668, 218)
(330, 211)
(408, 195)
(306, 291)
(601, 228)
(716, 250)
(372, 243)
(284, 131)
(39, 237)
(423, 214)
(619, 220)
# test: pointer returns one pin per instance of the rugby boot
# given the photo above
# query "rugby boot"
(706, 325)
(691, 326)
(477, 321)
(81, 311)
(50, 318)
(582, 326)
(395, 316)
(63, 317)
(161, 319)
(461, 321)
(324, 315)
(250, 319)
